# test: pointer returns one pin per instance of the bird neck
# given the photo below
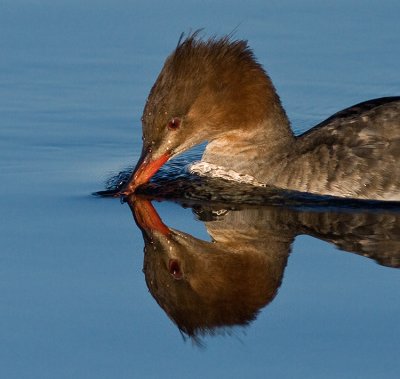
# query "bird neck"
(249, 151)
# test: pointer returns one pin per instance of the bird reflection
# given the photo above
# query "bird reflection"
(207, 287)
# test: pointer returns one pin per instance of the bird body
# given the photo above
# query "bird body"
(215, 91)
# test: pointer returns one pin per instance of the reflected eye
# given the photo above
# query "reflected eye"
(175, 269)
(174, 123)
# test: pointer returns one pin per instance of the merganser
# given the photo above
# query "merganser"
(215, 91)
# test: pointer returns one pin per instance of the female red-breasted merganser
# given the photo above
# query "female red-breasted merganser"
(214, 90)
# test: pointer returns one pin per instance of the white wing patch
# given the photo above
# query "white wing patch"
(202, 168)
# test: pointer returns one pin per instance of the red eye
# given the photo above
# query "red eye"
(175, 269)
(174, 123)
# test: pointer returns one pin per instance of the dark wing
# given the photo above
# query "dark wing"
(373, 235)
(357, 110)
(356, 151)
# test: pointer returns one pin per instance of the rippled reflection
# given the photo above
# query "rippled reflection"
(207, 287)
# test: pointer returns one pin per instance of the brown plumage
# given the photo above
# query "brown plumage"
(216, 91)
(206, 287)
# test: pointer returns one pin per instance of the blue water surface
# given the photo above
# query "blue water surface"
(74, 304)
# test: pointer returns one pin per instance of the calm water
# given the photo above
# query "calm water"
(74, 301)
